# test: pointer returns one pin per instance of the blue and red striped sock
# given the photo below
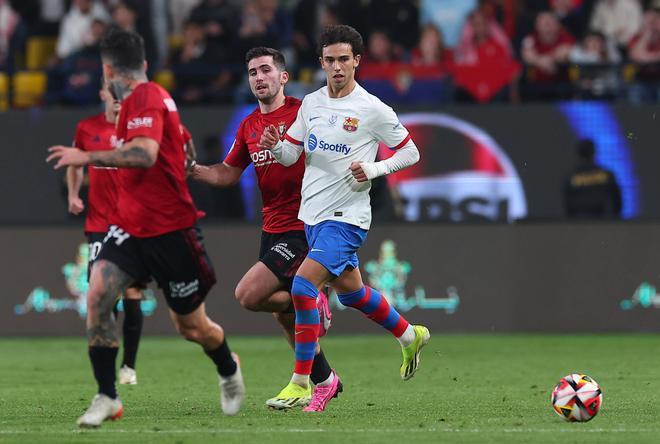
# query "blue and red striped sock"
(306, 336)
(376, 308)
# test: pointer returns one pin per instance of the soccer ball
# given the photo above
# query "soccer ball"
(577, 397)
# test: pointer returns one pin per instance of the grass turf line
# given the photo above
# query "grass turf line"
(470, 389)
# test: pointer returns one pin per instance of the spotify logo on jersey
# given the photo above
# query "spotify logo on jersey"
(311, 142)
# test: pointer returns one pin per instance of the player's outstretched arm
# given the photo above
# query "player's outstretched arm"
(284, 152)
(404, 157)
(74, 180)
(218, 175)
(140, 152)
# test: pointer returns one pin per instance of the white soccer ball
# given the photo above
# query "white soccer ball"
(577, 397)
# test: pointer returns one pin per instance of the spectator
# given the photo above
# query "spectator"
(571, 15)
(12, 35)
(41, 17)
(424, 80)
(380, 50)
(431, 50)
(180, 12)
(484, 59)
(126, 15)
(75, 28)
(51, 13)
(502, 11)
(311, 16)
(278, 21)
(597, 71)
(401, 18)
(264, 23)
(594, 48)
(527, 12)
(192, 65)
(590, 191)
(545, 52)
(617, 19)
(481, 37)
(221, 21)
(645, 51)
(76, 80)
(449, 16)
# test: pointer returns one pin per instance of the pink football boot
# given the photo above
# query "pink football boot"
(324, 313)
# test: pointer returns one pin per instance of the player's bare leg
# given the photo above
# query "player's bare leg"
(198, 327)
(106, 282)
(352, 292)
(260, 290)
(132, 330)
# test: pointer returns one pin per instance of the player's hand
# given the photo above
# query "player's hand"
(358, 172)
(269, 138)
(190, 166)
(200, 172)
(67, 156)
(76, 205)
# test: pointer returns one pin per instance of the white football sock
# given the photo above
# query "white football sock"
(327, 381)
(301, 380)
(407, 337)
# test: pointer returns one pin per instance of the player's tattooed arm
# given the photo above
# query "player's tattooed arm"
(101, 326)
(140, 152)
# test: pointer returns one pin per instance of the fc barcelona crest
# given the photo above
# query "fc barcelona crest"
(281, 127)
(351, 124)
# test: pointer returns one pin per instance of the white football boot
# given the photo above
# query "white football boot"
(102, 408)
(127, 375)
(232, 390)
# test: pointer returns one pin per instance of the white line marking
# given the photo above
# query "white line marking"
(571, 429)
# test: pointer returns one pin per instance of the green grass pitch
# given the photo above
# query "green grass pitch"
(470, 389)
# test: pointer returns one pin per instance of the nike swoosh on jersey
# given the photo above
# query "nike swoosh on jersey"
(317, 249)
(314, 118)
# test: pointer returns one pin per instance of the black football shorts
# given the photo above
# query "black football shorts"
(283, 253)
(176, 260)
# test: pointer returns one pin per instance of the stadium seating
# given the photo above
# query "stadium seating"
(165, 78)
(38, 50)
(28, 88)
(4, 92)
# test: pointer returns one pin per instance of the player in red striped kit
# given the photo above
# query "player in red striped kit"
(267, 285)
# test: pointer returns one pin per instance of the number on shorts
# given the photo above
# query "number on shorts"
(94, 250)
(117, 233)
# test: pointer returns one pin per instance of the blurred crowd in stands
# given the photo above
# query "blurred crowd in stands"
(418, 51)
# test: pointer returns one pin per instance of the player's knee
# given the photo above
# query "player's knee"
(247, 297)
(94, 305)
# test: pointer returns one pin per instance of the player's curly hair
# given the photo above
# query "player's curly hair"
(341, 34)
(123, 50)
(260, 51)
